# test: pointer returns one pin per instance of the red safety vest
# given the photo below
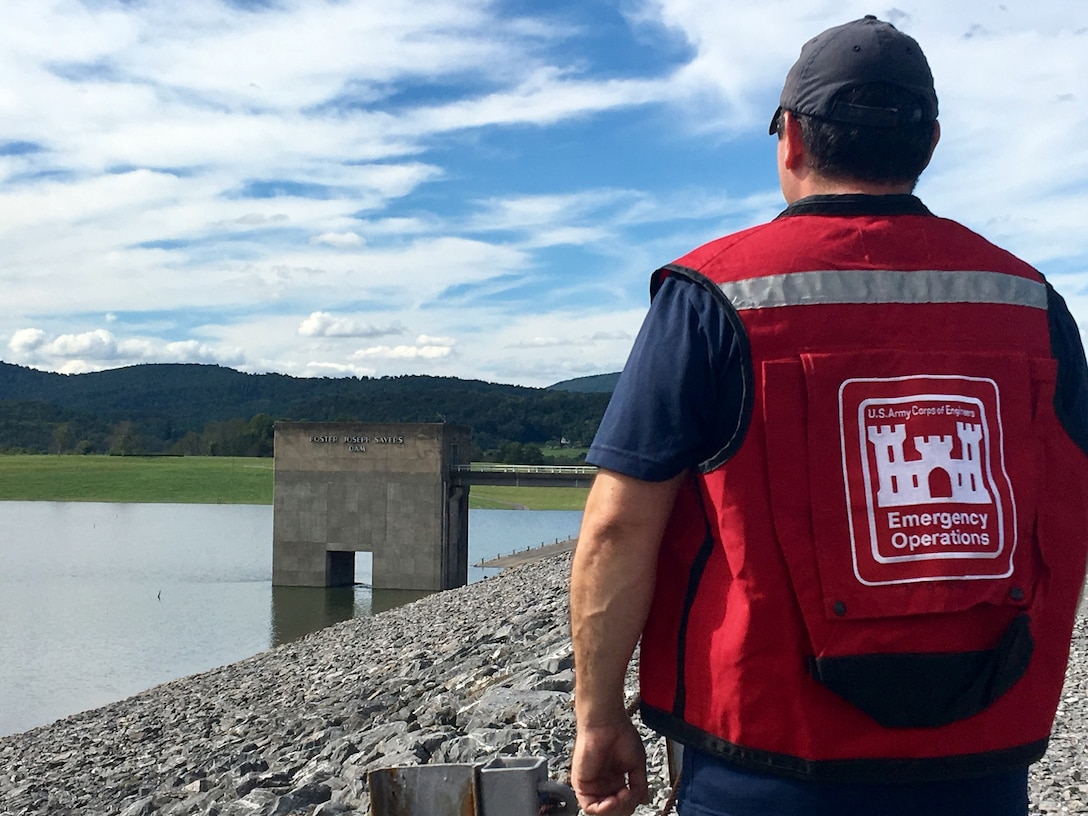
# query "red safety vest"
(881, 580)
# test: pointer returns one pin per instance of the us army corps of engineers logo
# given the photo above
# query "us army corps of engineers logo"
(927, 492)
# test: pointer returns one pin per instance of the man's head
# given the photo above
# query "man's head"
(862, 99)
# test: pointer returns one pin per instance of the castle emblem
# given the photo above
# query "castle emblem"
(936, 477)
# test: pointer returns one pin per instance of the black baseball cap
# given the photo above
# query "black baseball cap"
(859, 53)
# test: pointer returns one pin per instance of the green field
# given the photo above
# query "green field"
(202, 480)
(488, 497)
(182, 479)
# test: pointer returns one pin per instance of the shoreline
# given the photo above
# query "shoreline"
(530, 555)
(455, 677)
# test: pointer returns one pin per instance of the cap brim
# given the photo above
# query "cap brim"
(773, 129)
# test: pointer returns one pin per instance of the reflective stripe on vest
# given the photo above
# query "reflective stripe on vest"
(884, 286)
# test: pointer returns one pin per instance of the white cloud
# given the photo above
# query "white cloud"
(553, 341)
(25, 341)
(427, 340)
(338, 239)
(620, 335)
(192, 351)
(98, 343)
(514, 212)
(99, 348)
(79, 367)
(323, 324)
(544, 342)
(425, 352)
(544, 98)
(322, 369)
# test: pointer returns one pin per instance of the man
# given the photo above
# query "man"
(843, 489)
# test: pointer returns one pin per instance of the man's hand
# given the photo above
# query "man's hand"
(609, 769)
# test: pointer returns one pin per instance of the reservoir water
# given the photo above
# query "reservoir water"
(100, 601)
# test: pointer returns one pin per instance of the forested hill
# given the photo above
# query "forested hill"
(206, 409)
(598, 383)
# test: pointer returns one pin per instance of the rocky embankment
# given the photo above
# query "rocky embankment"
(458, 677)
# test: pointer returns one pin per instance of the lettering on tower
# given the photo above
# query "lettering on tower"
(926, 488)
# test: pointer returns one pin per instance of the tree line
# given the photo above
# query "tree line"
(200, 410)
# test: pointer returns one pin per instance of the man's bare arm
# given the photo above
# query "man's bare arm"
(612, 585)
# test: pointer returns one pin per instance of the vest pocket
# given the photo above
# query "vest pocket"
(903, 495)
(912, 690)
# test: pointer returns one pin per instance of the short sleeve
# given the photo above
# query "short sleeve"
(677, 402)
(1071, 396)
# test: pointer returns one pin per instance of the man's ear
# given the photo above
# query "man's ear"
(793, 148)
(933, 146)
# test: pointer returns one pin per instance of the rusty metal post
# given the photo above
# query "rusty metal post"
(424, 790)
(503, 786)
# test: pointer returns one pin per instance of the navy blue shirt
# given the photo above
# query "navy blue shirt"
(678, 398)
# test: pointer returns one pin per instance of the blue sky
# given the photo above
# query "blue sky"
(456, 187)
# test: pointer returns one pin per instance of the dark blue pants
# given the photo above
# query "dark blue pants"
(711, 787)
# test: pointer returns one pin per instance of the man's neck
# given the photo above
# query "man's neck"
(813, 184)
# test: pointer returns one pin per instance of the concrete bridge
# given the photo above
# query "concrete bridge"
(482, 473)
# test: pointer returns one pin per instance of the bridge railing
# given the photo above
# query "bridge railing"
(558, 470)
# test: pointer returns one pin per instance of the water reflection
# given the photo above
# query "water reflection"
(100, 601)
(299, 611)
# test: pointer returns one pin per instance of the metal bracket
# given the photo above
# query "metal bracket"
(515, 786)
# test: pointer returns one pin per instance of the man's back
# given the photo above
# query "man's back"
(844, 488)
(865, 369)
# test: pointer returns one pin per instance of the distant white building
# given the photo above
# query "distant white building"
(907, 483)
